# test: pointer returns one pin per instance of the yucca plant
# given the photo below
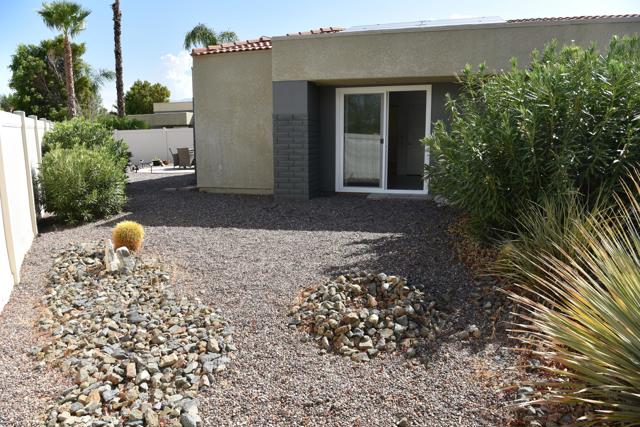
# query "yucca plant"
(583, 312)
(548, 228)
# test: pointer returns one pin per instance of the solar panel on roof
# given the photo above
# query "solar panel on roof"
(429, 23)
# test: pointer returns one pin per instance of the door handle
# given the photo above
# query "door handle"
(381, 140)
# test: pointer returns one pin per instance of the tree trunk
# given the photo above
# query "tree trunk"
(69, 81)
(117, 15)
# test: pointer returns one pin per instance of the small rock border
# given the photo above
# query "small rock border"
(137, 354)
(361, 315)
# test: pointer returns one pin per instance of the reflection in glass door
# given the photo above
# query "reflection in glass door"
(406, 128)
(363, 140)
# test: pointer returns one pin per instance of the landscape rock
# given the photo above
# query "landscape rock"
(359, 315)
(128, 342)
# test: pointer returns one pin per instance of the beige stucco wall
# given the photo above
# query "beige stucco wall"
(169, 107)
(435, 52)
(158, 120)
(233, 122)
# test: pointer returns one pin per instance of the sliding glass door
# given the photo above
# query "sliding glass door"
(378, 132)
(363, 142)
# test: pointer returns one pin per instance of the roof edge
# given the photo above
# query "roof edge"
(525, 22)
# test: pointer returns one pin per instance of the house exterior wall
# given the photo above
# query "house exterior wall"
(304, 135)
(434, 52)
(265, 120)
(327, 118)
(233, 122)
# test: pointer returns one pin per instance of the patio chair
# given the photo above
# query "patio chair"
(184, 157)
(176, 161)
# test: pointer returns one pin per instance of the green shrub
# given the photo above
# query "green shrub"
(568, 123)
(82, 184)
(122, 123)
(86, 133)
(582, 312)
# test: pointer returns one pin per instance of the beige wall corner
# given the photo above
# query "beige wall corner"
(233, 122)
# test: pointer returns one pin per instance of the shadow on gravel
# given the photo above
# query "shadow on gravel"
(403, 237)
(151, 205)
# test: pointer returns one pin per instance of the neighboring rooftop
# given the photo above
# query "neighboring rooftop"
(264, 42)
(261, 43)
(575, 18)
(168, 114)
(172, 106)
(428, 23)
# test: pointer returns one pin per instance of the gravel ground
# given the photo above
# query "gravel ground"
(249, 257)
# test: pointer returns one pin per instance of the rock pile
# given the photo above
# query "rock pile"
(361, 315)
(137, 354)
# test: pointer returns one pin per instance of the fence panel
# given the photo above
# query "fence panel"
(148, 144)
(179, 138)
(33, 145)
(6, 277)
(20, 155)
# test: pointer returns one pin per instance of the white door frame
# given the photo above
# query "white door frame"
(385, 90)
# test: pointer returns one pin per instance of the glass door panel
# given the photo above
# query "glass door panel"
(405, 153)
(363, 140)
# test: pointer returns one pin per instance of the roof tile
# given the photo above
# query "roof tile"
(321, 30)
(574, 18)
(263, 43)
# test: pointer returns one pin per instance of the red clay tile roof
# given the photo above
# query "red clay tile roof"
(321, 30)
(574, 18)
(263, 43)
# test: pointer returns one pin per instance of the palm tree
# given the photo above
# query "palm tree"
(117, 16)
(68, 18)
(203, 36)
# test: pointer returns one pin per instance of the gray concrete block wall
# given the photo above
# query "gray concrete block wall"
(315, 159)
(291, 156)
(296, 140)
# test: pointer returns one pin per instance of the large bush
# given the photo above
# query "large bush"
(581, 310)
(82, 184)
(570, 122)
(85, 133)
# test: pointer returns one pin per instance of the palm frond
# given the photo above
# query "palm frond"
(200, 36)
(227, 37)
(64, 16)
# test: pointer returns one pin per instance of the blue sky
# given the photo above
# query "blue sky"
(153, 31)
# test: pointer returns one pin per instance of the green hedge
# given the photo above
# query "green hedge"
(82, 184)
(568, 123)
(85, 133)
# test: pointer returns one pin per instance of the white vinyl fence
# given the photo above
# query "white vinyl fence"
(20, 156)
(149, 144)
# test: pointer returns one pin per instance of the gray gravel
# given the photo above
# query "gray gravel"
(249, 257)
